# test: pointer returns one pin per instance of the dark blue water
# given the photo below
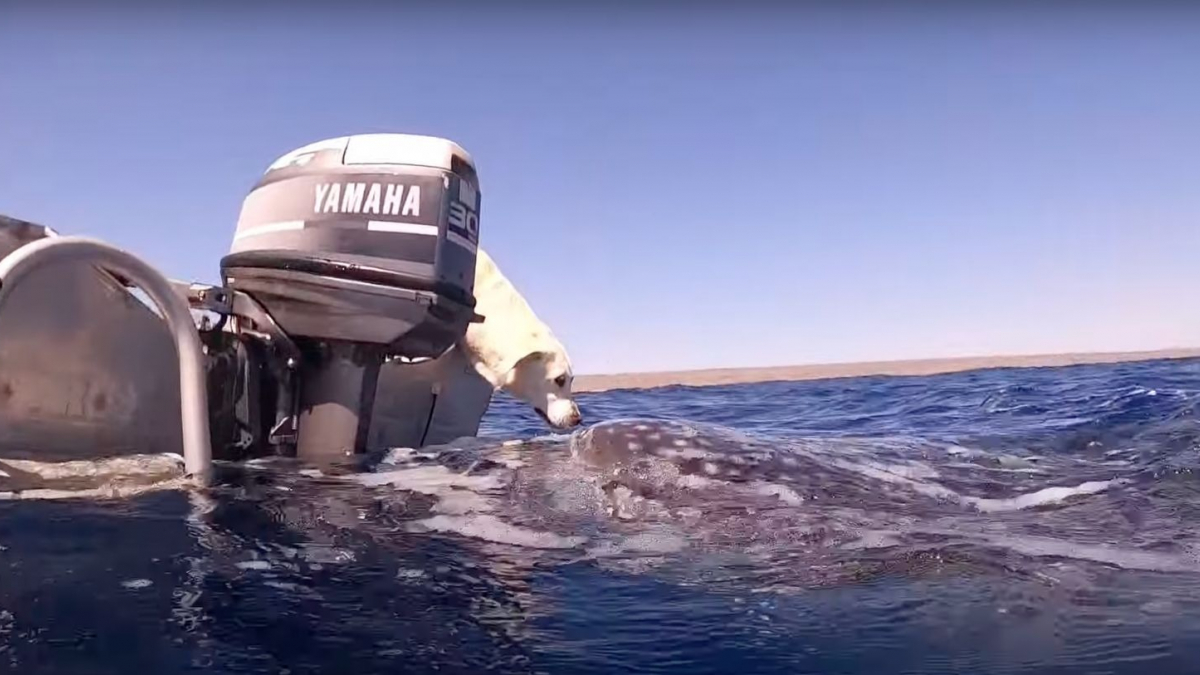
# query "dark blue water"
(929, 539)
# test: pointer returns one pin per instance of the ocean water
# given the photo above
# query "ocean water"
(1004, 521)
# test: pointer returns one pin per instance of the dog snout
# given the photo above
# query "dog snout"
(564, 416)
(575, 418)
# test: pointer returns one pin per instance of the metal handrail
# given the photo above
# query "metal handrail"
(193, 397)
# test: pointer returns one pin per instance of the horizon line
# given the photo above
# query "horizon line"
(700, 377)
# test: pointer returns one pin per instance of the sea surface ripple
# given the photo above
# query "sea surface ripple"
(1000, 521)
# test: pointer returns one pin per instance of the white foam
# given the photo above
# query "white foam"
(905, 476)
(508, 459)
(887, 475)
(323, 554)
(550, 436)
(1121, 557)
(654, 543)
(784, 493)
(913, 471)
(491, 528)
(130, 465)
(460, 502)
(457, 493)
(293, 589)
(430, 480)
(971, 466)
(624, 503)
(1050, 495)
(104, 492)
(398, 456)
(871, 539)
(695, 482)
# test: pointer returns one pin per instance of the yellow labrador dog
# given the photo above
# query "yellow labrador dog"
(514, 351)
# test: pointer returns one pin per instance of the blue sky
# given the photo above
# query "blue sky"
(673, 187)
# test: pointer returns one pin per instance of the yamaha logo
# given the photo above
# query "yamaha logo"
(387, 199)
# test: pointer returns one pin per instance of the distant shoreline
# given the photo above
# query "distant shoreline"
(719, 376)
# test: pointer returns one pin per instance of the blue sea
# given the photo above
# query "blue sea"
(1000, 521)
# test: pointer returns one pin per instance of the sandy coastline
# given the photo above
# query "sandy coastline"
(699, 378)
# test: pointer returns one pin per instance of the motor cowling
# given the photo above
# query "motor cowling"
(350, 250)
(365, 239)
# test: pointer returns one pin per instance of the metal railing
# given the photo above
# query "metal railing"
(193, 397)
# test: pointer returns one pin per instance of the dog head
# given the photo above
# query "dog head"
(515, 351)
(543, 379)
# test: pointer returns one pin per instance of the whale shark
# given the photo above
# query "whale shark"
(683, 502)
(406, 547)
(475, 524)
(642, 494)
(650, 493)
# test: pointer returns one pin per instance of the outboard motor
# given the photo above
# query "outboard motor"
(348, 252)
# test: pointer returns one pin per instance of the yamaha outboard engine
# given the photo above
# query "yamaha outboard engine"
(348, 252)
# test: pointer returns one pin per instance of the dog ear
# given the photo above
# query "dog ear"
(499, 380)
(530, 357)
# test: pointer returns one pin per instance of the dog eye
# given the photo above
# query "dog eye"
(560, 381)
